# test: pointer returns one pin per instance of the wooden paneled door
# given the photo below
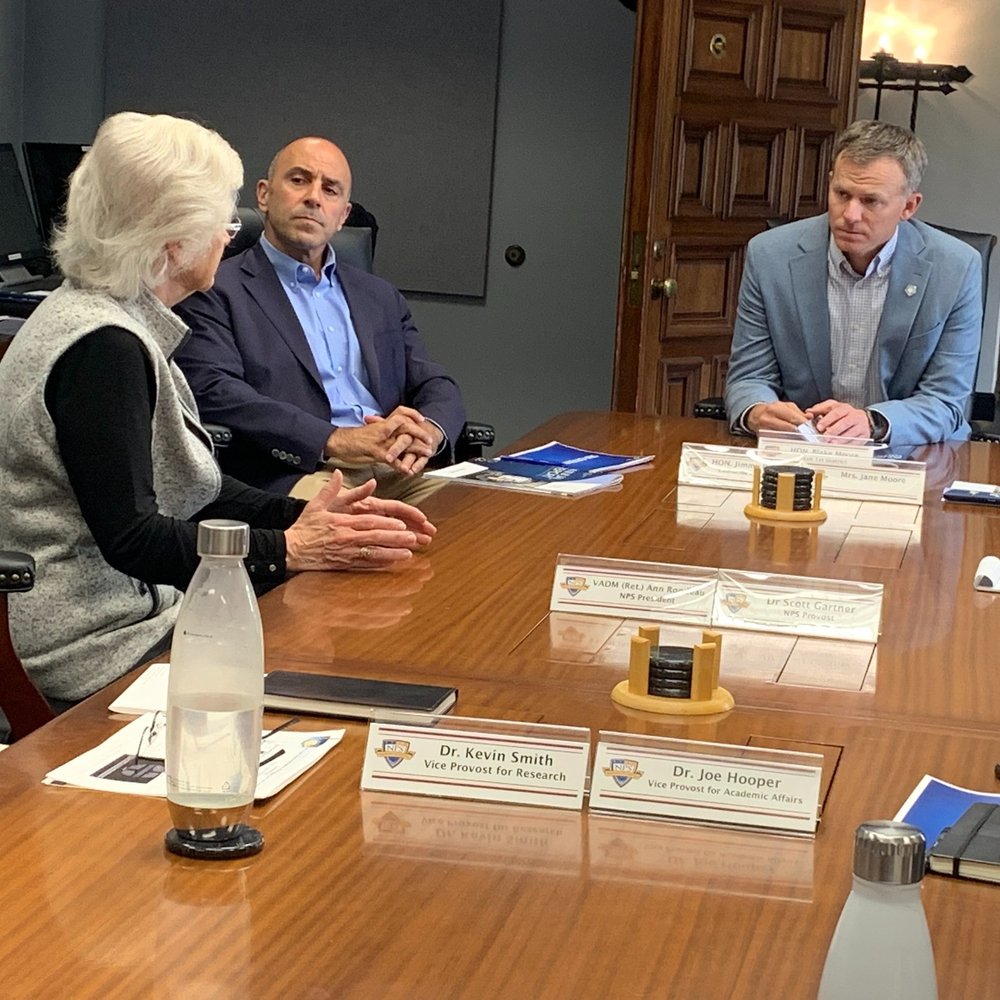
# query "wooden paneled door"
(735, 104)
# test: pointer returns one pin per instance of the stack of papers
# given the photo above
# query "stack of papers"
(935, 804)
(131, 763)
(578, 460)
(147, 693)
(131, 760)
(553, 469)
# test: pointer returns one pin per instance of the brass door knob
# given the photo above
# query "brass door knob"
(667, 287)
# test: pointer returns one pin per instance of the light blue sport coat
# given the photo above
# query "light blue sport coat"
(928, 340)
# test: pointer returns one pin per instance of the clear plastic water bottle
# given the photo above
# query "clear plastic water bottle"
(882, 947)
(215, 702)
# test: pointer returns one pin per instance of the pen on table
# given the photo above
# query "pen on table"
(271, 732)
(274, 756)
(284, 725)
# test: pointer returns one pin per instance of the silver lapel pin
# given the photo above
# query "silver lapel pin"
(910, 290)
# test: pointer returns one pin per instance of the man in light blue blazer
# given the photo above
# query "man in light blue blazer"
(864, 321)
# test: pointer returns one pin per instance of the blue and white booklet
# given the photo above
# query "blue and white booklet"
(525, 477)
(554, 469)
(935, 804)
(587, 463)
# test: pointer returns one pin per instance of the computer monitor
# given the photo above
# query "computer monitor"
(22, 252)
(49, 166)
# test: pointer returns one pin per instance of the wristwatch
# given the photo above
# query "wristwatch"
(878, 424)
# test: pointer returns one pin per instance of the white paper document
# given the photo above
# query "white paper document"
(131, 760)
(147, 693)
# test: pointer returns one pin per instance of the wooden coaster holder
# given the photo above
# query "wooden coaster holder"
(783, 510)
(707, 698)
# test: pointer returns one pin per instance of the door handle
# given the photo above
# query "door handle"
(665, 287)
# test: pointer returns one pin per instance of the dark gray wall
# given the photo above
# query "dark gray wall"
(541, 340)
(408, 90)
(63, 70)
(11, 68)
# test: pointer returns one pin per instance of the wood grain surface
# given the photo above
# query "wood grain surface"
(365, 895)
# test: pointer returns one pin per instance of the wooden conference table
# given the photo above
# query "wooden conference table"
(360, 895)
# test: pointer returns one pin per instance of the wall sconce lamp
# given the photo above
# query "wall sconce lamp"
(885, 72)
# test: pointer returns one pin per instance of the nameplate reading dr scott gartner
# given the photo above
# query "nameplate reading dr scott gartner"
(734, 790)
(520, 765)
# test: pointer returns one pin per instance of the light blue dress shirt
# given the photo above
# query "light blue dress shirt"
(322, 311)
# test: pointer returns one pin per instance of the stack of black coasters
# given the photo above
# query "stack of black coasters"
(802, 495)
(670, 671)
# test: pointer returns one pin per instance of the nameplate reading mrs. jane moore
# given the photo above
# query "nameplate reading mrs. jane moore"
(479, 759)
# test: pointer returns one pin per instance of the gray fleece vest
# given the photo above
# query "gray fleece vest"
(85, 623)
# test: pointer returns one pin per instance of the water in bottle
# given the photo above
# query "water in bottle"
(214, 702)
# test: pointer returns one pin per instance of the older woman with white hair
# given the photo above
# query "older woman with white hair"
(105, 469)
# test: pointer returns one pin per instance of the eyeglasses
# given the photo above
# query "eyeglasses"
(148, 740)
(233, 227)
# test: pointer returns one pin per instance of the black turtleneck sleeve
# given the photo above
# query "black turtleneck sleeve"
(100, 394)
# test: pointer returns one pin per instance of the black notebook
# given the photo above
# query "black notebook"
(351, 697)
(970, 848)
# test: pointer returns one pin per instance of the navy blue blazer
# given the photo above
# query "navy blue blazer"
(251, 368)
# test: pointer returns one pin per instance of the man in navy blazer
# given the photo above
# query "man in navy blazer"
(314, 364)
(863, 321)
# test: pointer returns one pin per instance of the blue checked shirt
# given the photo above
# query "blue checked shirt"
(855, 302)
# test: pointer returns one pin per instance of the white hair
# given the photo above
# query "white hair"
(146, 182)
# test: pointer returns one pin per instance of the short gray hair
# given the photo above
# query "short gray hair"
(147, 181)
(864, 141)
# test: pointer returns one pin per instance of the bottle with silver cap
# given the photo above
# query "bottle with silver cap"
(882, 947)
(215, 702)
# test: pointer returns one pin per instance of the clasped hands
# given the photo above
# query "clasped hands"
(405, 440)
(830, 418)
(352, 529)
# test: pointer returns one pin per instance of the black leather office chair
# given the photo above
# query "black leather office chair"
(23, 704)
(983, 408)
(353, 245)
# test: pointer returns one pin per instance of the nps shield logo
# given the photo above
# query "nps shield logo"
(574, 585)
(622, 771)
(735, 601)
(394, 752)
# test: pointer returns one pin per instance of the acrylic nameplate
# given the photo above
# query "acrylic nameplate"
(720, 598)
(481, 759)
(663, 591)
(707, 782)
(778, 446)
(719, 466)
(850, 472)
(798, 605)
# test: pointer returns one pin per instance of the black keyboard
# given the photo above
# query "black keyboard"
(17, 303)
(42, 283)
